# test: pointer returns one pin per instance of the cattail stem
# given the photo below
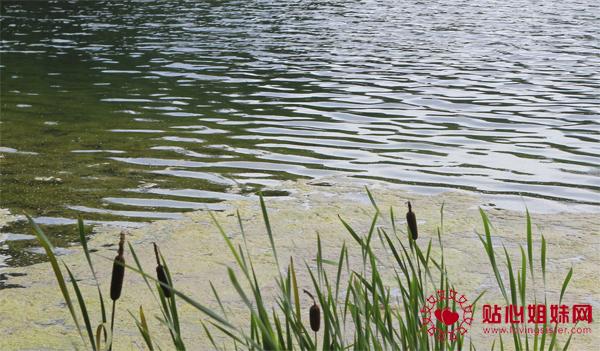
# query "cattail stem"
(309, 294)
(112, 323)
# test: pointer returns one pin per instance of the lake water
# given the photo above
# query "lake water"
(133, 111)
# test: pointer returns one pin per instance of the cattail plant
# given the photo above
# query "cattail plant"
(411, 220)
(161, 275)
(378, 322)
(116, 283)
(314, 315)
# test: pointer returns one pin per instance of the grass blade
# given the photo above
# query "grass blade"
(49, 249)
(565, 284)
(263, 208)
(82, 306)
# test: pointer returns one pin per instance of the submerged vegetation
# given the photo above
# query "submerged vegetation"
(354, 306)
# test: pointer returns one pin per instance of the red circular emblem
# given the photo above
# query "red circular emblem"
(453, 322)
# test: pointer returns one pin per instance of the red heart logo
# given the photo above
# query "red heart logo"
(438, 315)
(446, 316)
(449, 317)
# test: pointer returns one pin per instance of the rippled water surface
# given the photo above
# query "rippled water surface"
(134, 111)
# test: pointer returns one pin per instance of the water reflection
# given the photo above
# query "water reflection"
(145, 112)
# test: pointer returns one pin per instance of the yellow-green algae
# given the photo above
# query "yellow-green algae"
(35, 318)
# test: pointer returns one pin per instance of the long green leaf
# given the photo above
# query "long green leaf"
(263, 208)
(83, 241)
(49, 249)
(83, 307)
(529, 241)
(565, 284)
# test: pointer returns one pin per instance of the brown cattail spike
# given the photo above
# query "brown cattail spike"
(118, 272)
(411, 219)
(314, 314)
(161, 275)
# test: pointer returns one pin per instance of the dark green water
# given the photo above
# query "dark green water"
(144, 110)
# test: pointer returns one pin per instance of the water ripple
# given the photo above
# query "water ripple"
(211, 102)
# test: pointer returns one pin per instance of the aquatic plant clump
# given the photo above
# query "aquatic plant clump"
(352, 307)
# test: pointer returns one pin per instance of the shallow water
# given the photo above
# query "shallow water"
(129, 112)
